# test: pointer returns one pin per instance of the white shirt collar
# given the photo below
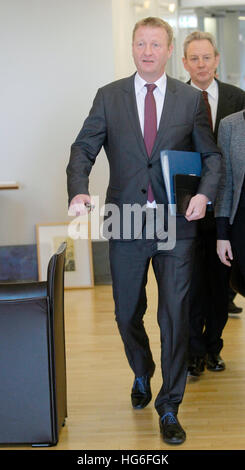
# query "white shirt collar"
(212, 90)
(160, 83)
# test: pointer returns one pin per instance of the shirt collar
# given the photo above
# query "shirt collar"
(212, 90)
(160, 83)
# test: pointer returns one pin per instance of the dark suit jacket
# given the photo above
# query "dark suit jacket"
(113, 123)
(231, 100)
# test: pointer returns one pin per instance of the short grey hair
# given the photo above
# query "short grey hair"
(198, 36)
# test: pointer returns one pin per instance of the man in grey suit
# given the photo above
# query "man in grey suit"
(210, 280)
(122, 119)
(230, 203)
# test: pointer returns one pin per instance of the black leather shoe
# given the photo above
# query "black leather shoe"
(171, 430)
(215, 363)
(196, 366)
(232, 308)
(141, 392)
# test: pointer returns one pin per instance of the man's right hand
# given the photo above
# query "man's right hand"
(224, 251)
(78, 205)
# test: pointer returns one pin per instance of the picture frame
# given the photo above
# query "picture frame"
(79, 263)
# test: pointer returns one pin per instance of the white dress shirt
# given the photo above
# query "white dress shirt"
(159, 95)
(213, 96)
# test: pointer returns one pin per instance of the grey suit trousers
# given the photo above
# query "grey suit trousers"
(172, 268)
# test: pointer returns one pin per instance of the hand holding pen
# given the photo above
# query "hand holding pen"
(80, 205)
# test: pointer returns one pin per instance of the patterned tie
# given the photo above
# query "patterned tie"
(205, 96)
(150, 126)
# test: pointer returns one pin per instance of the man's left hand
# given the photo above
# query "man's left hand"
(197, 207)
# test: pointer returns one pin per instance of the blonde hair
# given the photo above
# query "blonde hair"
(155, 22)
(198, 36)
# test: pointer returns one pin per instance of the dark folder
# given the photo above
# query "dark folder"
(185, 187)
(176, 162)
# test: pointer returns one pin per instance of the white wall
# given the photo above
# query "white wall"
(54, 54)
(123, 19)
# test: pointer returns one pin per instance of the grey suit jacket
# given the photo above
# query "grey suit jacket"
(231, 142)
(113, 122)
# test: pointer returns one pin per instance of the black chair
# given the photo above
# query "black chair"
(33, 404)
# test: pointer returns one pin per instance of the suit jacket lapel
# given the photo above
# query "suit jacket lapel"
(131, 104)
(166, 118)
(220, 107)
(224, 104)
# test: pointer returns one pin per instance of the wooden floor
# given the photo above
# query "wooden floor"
(100, 415)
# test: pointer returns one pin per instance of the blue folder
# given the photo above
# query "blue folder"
(175, 162)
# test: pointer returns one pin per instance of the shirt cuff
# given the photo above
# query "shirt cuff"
(223, 228)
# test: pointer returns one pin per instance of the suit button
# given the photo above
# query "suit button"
(149, 165)
(143, 190)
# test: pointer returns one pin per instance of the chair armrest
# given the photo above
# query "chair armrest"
(25, 290)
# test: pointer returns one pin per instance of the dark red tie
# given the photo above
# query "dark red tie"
(150, 126)
(205, 96)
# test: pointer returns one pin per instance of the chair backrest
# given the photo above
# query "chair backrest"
(55, 274)
(55, 292)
